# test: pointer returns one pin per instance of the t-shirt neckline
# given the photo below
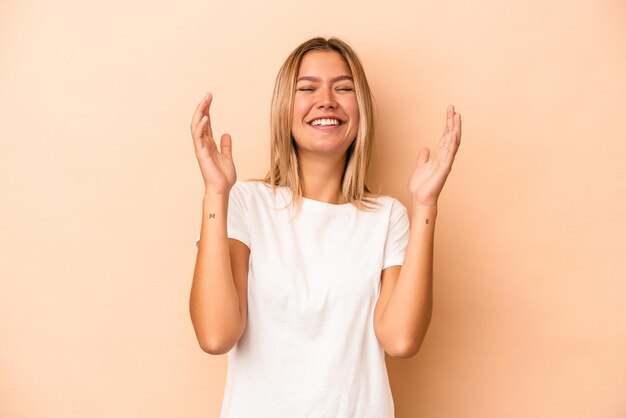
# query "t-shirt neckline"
(325, 206)
(320, 205)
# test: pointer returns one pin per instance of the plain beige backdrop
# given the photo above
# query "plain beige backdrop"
(101, 195)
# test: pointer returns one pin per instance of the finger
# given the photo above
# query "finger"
(209, 100)
(198, 139)
(455, 134)
(203, 110)
(422, 156)
(226, 147)
(449, 116)
(455, 141)
(449, 158)
(197, 115)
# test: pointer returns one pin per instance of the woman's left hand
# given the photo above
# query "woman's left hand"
(431, 173)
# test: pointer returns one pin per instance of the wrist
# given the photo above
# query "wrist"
(424, 214)
(212, 199)
(424, 207)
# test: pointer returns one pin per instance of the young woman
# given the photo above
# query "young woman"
(306, 278)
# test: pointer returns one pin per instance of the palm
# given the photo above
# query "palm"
(430, 174)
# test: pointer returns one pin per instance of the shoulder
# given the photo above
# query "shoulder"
(391, 203)
(246, 187)
(253, 189)
(397, 215)
(241, 193)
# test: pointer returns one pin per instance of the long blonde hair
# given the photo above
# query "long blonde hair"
(284, 167)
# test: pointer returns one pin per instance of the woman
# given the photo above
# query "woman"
(307, 302)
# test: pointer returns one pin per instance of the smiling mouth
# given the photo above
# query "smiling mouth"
(326, 122)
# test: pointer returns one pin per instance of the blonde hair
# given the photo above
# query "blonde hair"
(284, 168)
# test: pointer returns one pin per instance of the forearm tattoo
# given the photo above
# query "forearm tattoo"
(211, 215)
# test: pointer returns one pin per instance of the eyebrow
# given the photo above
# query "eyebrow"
(311, 78)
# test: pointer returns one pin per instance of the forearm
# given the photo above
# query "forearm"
(214, 302)
(409, 309)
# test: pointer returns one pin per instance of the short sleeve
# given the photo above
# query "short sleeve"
(237, 225)
(397, 235)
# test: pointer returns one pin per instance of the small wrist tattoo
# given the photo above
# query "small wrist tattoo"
(427, 220)
(211, 215)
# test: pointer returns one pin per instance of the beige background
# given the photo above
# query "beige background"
(101, 195)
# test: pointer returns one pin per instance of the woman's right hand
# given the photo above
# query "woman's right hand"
(216, 166)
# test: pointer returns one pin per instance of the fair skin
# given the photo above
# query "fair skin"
(324, 90)
(404, 307)
(218, 298)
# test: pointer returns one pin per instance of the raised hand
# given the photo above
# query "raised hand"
(431, 173)
(217, 167)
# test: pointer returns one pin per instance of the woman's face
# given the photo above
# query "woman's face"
(325, 109)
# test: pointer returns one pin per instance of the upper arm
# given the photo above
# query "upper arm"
(239, 262)
(389, 279)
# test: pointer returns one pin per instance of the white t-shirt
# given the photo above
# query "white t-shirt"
(309, 348)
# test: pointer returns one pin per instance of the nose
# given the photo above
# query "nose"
(326, 98)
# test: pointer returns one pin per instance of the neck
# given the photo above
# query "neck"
(321, 178)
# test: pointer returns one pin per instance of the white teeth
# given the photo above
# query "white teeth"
(325, 122)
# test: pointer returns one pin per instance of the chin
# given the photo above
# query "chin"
(323, 147)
